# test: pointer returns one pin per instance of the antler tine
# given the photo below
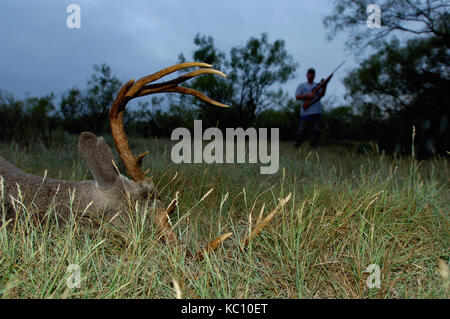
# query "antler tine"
(189, 91)
(156, 76)
(150, 88)
(172, 86)
(133, 89)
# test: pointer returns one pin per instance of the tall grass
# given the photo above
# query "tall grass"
(346, 211)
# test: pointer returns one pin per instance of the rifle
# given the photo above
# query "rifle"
(310, 101)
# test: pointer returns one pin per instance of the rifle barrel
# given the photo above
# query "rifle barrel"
(338, 67)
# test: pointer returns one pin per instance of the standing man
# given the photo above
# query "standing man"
(311, 117)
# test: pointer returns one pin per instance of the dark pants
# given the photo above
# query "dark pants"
(309, 125)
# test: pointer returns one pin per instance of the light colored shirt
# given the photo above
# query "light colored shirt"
(315, 108)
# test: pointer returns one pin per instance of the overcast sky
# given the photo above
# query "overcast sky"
(40, 54)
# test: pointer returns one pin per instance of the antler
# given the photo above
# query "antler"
(140, 88)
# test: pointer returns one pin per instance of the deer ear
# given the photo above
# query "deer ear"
(98, 157)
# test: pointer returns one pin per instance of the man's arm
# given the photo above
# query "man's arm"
(323, 90)
(309, 95)
(303, 94)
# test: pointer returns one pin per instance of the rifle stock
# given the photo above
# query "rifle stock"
(308, 102)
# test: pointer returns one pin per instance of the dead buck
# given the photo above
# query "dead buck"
(109, 195)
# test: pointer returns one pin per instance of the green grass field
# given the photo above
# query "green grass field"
(346, 211)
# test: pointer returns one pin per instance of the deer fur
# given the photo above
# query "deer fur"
(107, 196)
